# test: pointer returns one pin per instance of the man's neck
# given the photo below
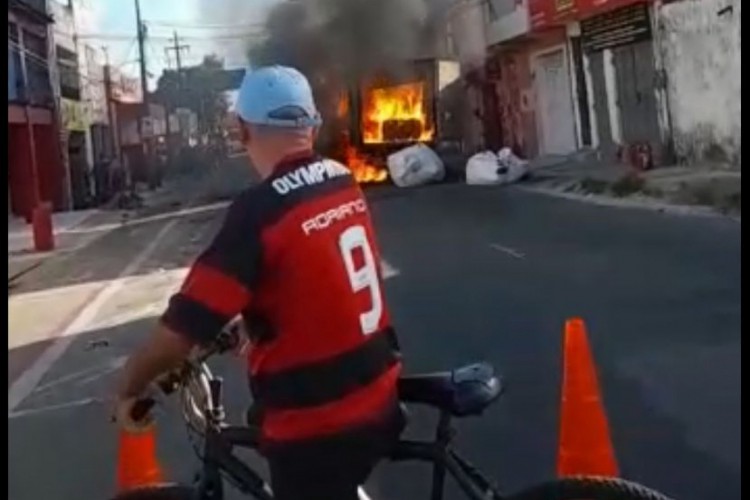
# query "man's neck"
(287, 156)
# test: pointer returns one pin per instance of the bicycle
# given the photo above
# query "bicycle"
(459, 393)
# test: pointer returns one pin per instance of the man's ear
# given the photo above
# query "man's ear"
(244, 132)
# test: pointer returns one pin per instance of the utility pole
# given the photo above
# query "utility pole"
(177, 52)
(144, 83)
(177, 48)
(113, 128)
(142, 55)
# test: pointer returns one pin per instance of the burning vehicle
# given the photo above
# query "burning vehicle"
(390, 110)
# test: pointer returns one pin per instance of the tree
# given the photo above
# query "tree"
(198, 88)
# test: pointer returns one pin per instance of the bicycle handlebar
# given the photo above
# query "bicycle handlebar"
(228, 340)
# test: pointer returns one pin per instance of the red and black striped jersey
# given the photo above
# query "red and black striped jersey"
(297, 257)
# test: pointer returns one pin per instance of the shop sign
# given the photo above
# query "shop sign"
(74, 115)
(622, 26)
(549, 13)
(556, 13)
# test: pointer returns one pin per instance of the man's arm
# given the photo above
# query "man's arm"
(164, 351)
(217, 288)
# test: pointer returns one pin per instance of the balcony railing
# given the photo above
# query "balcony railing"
(39, 6)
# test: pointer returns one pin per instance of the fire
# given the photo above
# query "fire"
(395, 114)
(363, 171)
(342, 105)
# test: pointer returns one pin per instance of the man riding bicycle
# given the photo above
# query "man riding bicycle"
(297, 258)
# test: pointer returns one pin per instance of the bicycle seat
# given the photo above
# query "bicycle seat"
(461, 392)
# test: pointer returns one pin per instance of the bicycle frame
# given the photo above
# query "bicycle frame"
(220, 441)
(218, 457)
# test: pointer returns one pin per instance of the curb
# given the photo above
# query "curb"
(642, 204)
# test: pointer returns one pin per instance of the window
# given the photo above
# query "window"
(37, 90)
(35, 45)
(67, 64)
(13, 32)
(492, 14)
(15, 70)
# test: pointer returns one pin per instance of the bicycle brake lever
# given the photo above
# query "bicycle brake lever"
(169, 382)
(141, 409)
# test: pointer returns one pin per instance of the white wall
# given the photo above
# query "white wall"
(95, 88)
(701, 54)
(64, 35)
(466, 25)
(513, 21)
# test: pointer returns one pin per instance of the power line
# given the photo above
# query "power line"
(127, 55)
(201, 26)
(127, 37)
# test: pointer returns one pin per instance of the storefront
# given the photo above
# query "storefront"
(532, 78)
(616, 39)
(35, 168)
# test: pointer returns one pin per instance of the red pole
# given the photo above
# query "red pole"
(41, 215)
(32, 145)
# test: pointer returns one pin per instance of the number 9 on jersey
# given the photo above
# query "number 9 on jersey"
(365, 277)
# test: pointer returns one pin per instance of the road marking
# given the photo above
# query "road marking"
(57, 407)
(363, 494)
(128, 222)
(85, 376)
(25, 384)
(388, 270)
(507, 250)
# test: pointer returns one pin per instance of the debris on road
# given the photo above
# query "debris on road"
(489, 168)
(97, 344)
(415, 166)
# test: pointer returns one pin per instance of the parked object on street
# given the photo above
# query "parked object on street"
(489, 168)
(415, 166)
(638, 155)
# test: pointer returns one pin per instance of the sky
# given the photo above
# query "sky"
(207, 26)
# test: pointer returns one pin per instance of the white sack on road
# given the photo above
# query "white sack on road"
(415, 166)
(490, 168)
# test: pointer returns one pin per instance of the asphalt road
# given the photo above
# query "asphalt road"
(482, 274)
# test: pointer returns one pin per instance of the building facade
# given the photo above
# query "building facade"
(80, 88)
(36, 172)
(699, 44)
(617, 76)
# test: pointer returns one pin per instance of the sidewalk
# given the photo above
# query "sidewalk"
(20, 238)
(696, 189)
(111, 269)
(21, 254)
(76, 230)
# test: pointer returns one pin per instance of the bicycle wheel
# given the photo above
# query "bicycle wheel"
(589, 488)
(159, 492)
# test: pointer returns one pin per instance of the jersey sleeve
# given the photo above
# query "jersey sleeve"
(220, 283)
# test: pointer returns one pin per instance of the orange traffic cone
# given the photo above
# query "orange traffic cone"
(137, 464)
(585, 445)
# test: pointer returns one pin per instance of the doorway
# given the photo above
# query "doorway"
(555, 120)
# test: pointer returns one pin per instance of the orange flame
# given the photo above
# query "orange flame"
(395, 114)
(362, 170)
(342, 107)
